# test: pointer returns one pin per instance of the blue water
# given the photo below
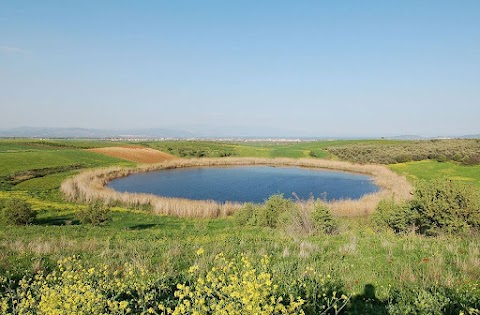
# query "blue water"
(247, 183)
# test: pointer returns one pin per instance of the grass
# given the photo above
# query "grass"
(256, 149)
(16, 145)
(359, 255)
(428, 170)
(23, 161)
(169, 243)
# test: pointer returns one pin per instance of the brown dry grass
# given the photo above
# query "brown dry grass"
(135, 154)
(90, 186)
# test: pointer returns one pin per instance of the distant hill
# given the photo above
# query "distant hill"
(158, 133)
(36, 132)
(471, 136)
(414, 137)
(406, 137)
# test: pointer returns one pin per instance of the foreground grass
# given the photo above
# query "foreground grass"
(357, 256)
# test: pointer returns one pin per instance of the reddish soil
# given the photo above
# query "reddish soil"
(135, 154)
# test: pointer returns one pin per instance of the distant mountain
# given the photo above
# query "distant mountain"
(406, 137)
(38, 132)
(415, 137)
(198, 133)
(471, 137)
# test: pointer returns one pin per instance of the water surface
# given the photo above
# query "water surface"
(247, 183)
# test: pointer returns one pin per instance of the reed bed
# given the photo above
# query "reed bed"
(90, 186)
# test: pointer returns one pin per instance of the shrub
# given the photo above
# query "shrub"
(247, 215)
(464, 299)
(466, 151)
(439, 205)
(275, 210)
(17, 211)
(400, 218)
(95, 214)
(322, 218)
(278, 212)
(447, 205)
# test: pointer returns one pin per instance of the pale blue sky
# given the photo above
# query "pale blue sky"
(266, 68)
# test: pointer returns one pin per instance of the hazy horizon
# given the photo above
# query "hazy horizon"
(272, 68)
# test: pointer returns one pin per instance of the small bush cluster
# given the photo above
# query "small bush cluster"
(398, 217)
(95, 214)
(465, 151)
(230, 286)
(448, 205)
(235, 287)
(278, 212)
(435, 300)
(73, 288)
(438, 206)
(16, 211)
(195, 149)
(323, 219)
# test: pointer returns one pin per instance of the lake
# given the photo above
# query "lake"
(247, 183)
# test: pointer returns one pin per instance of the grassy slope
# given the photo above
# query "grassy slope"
(357, 256)
(7, 145)
(428, 170)
(258, 149)
(21, 161)
(24, 155)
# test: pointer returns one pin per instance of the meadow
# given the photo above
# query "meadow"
(145, 263)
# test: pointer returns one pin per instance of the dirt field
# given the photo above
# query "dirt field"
(135, 154)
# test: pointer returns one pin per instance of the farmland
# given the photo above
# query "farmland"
(361, 268)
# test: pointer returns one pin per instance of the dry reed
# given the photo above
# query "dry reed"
(90, 186)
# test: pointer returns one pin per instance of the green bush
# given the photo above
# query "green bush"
(438, 206)
(17, 211)
(398, 217)
(95, 214)
(247, 215)
(466, 151)
(276, 210)
(322, 218)
(411, 299)
(446, 205)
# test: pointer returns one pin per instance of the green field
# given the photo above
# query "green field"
(403, 270)
(258, 149)
(428, 170)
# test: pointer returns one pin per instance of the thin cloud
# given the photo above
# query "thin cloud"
(12, 50)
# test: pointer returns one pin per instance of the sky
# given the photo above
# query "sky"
(257, 68)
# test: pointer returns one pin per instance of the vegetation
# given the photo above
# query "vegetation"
(323, 220)
(16, 211)
(438, 206)
(304, 218)
(90, 186)
(144, 263)
(95, 214)
(292, 149)
(431, 170)
(464, 151)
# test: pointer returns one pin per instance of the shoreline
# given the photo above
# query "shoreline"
(90, 186)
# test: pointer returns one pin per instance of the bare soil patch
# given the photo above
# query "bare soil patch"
(135, 154)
